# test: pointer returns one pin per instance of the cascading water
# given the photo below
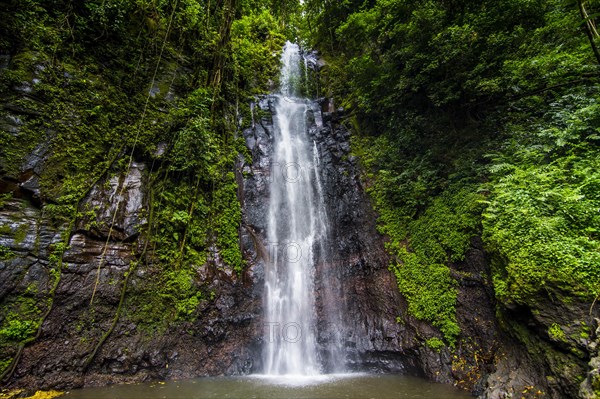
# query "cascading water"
(297, 235)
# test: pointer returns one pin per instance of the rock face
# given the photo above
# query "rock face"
(50, 272)
(222, 340)
(371, 302)
(77, 293)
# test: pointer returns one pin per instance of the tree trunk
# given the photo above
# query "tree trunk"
(589, 29)
(224, 37)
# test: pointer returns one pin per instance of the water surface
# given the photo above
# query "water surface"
(350, 386)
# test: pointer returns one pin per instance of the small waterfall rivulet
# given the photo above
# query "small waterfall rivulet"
(296, 343)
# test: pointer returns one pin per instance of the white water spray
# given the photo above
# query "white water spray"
(297, 225)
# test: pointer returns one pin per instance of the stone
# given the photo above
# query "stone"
(373, 301)
(121, 194)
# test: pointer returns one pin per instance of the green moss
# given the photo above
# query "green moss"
(56, 254)
(4, 198)
(20, 233)
(228, 220)
(596, 384)
(18, 330)
(430, 292)
(578, 352)
(424, 246)
(6, 230)
(6, 253)
(169, 296)
(555, 332)
(585, 331)
(435, 343)
(4, 363)
(20, 316)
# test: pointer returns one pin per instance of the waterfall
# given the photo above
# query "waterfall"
(297, 235)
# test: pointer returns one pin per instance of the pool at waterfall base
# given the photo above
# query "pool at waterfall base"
(350, 386)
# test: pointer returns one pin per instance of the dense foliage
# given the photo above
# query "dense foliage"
(474, 118)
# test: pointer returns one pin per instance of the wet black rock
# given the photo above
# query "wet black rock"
(373, 338)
